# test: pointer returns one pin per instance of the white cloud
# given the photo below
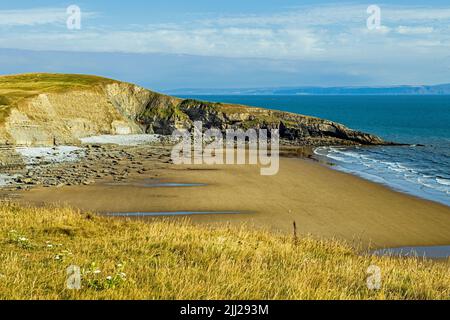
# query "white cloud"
(414, 30)
(31, 17)
(35, 17)
(326, 15)
(417, 14)
(330, 32)
(293, 43)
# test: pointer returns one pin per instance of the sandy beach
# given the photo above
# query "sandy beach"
(323, 202)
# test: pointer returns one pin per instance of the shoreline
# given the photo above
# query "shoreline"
(387, 175)
(324, 202)
(308, 153)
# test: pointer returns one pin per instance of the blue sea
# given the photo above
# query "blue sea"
(422, 171)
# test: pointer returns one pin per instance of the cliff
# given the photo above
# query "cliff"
(51, 109)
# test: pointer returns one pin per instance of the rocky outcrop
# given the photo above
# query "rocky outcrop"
(293, 128)
(53, 117)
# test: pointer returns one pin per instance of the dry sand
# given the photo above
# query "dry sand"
(322, 202)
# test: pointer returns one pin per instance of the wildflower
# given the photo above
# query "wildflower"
(221, 240)
(109, 278)
(122, 274)
(97, 271)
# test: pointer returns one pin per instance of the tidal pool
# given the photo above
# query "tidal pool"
(158, 184)
(434, 252)
(168, 214)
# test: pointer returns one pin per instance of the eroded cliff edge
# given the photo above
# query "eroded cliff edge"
(52, 109)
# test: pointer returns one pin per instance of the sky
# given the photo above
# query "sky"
(253, 43)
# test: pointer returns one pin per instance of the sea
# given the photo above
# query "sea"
(422, 168)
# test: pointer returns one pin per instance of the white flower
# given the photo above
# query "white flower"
(57, 257)
(23, 239)
(221, 240)
(49, 246)
(108, 278)
(119, 265)
(97, 271)
(122, 274)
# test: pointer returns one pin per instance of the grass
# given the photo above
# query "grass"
(15, 88)
(4, 107)
(168, 112)
(48, 82)
(124, 259)
(218, 106)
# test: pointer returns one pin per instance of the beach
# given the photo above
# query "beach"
(420, 167)
(324, 203)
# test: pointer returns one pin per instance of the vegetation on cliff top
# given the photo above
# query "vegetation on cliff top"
(126, 259)
(35, 83)
(14, 88)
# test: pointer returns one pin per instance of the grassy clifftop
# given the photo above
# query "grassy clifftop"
(14, 88)
(122, 259)
(34, 83)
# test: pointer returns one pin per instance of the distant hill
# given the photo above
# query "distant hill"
(443, 89)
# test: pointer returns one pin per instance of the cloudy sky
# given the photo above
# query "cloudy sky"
(251, 43)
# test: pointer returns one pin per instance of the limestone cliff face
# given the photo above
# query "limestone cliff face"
(62, 117)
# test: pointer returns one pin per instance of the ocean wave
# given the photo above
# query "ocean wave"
(445, 182)
(403, 169)
(334, 157)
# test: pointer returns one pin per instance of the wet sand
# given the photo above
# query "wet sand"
(323, 202)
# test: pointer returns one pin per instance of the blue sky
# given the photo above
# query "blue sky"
(231, 43)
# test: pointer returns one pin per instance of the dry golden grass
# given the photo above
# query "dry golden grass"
(173, 260)
(35, 83)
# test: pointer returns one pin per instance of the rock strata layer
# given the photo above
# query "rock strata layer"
(60, 114)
